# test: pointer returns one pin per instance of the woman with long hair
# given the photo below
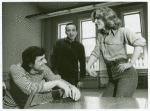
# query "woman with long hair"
(111, 41)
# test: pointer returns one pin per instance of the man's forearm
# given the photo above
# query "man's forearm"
(70, 85)
(49, 85)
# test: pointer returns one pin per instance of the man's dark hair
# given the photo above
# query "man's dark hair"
(72, 24)
(29, 55)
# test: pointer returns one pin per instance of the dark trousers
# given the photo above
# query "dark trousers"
(120, 84)
(71, 80)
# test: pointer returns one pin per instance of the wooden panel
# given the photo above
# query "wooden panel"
(103, 81)
(91, 82)
(142, 82)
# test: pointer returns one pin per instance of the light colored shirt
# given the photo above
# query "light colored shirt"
(20, 84)
(113, 46)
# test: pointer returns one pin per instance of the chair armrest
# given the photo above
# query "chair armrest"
(40, 98)
(27, 105)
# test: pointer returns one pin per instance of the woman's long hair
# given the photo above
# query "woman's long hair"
(105, 14)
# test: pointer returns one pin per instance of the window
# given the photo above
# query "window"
(88, 38)
(132, 22)
(61, 30)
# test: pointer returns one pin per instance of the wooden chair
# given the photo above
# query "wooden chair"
(4, 88)
(41, 98)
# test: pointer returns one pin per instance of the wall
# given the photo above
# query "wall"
(46, 37)
(18, 33)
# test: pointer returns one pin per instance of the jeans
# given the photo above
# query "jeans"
(120, 84)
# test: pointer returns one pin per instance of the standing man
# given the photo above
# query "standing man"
(65, 56)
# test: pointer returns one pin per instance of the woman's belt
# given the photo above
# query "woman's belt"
(115, 62)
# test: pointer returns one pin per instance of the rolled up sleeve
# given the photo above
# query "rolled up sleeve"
(134, 39)
(26, 85)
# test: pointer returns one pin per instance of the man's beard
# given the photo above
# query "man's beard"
(39, 71)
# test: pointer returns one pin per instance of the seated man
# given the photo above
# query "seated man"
(31, 76)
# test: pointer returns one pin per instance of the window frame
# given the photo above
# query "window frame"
(81, 37)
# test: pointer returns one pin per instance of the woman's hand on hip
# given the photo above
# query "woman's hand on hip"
(124, 66)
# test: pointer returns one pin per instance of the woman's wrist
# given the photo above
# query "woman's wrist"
(131, 63)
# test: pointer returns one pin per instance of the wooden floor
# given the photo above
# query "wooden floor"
(139, 93)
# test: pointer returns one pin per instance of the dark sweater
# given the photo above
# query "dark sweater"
(64, 58)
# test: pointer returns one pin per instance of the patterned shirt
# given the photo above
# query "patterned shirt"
(20, 84)
(113, 46)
